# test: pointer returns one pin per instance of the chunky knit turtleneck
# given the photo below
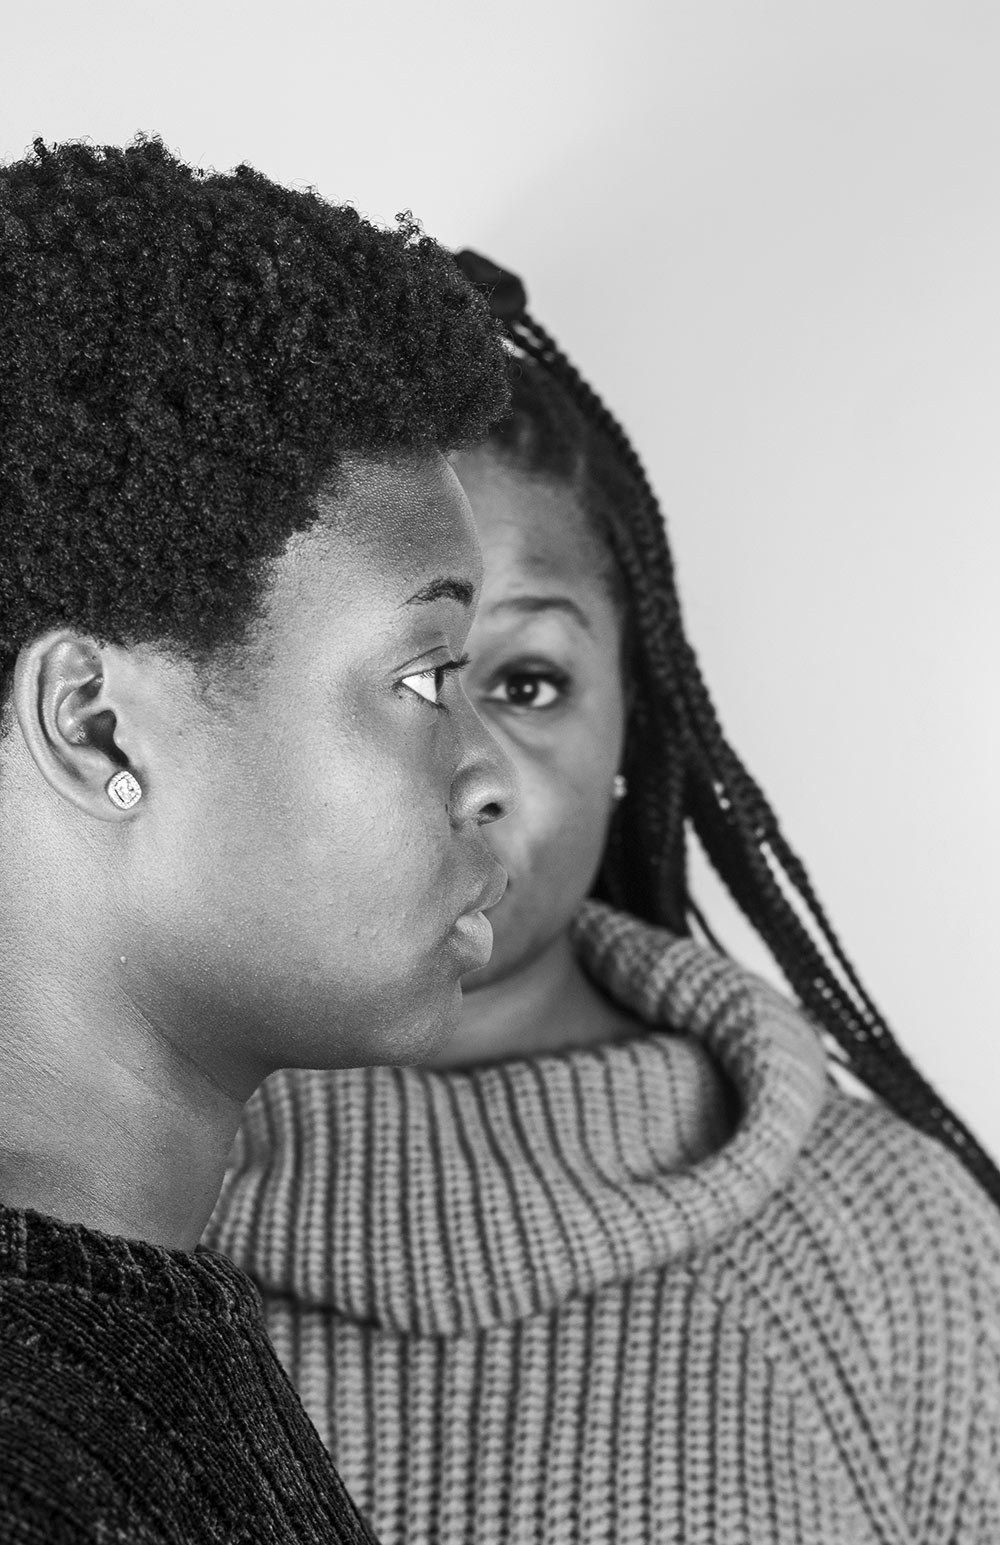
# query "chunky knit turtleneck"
(674, 1288)
(141, 1402)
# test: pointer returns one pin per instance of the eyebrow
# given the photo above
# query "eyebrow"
(447, 587)
(529, 605)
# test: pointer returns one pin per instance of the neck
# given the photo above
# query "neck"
(546, 1005)
(103, 1121)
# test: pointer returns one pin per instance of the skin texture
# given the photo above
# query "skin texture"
(311, 829)
(545, 673)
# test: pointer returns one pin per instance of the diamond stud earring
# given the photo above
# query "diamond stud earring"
(123, 790)
(620, 786)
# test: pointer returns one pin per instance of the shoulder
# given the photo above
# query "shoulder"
(887, 1253)
(870, 1283)
(901, 1195)
(895, 1216)
(137, 1421)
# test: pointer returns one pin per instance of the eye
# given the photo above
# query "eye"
(429, 684)
(534, 689)
(426, 684)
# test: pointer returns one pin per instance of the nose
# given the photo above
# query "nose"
(484, 786)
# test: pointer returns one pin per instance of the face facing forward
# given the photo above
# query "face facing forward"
(545, 673)
(287, 891)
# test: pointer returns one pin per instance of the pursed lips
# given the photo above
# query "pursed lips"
(490, 891)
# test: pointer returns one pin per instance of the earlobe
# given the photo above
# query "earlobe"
(69, 727)
(124, 790)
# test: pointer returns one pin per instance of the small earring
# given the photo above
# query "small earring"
(123, 790)
(620, 786)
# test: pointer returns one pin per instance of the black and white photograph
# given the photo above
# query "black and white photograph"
(499, 767)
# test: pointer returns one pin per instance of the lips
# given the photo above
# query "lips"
(471, 936)
(490, 892)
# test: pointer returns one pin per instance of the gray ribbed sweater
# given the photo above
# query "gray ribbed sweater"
(570, 1300)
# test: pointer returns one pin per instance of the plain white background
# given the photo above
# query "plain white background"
(769, 232)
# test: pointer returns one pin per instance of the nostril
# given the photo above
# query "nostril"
(491, 812)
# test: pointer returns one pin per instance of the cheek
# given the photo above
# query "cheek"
(557, 832)
(361, 832)
(306, 895)
(296, 840)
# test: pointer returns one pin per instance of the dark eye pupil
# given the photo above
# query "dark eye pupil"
(522, 689)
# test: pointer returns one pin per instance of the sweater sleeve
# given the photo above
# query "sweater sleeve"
(947, 1243)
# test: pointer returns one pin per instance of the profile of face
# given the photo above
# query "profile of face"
(299, 883)
(545, 673)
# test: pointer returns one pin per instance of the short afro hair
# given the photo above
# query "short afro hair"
(186, 358)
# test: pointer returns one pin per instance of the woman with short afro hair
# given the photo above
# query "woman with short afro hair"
(242, 796)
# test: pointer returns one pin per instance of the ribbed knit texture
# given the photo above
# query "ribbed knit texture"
(572, 1299)
(141, 1402)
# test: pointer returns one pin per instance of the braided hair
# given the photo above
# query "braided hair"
(681, 770)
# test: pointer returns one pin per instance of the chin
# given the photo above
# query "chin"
(402, 1023)
(438, 1034)
(421, 1035)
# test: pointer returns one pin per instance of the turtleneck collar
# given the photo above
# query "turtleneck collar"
(440, 1202)
(36, 1249)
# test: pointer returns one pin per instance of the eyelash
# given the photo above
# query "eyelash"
(439, 673)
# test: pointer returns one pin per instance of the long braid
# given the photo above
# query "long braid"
(681, 769)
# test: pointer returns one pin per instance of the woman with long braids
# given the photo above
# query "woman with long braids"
(628, 1264)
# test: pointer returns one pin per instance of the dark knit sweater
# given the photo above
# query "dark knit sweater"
(141, 1401)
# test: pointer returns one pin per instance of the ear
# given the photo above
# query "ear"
(74, 721)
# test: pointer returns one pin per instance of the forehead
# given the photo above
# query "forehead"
(529, 526)
(388, 528)
(399, 511)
